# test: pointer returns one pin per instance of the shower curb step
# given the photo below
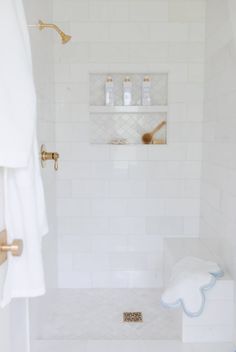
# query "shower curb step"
(126, 346)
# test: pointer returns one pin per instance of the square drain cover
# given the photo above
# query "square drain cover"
(132, 317)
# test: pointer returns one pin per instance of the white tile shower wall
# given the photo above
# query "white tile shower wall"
(42, 51)
(115, 204)
(218, 196)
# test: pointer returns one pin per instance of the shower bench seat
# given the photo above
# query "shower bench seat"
(216, 323)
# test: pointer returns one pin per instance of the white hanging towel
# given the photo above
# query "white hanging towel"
(24, 206)
(190, 279)
(17, 93)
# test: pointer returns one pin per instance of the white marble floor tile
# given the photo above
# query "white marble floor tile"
(97, 314)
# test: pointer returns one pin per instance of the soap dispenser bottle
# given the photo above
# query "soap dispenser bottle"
(127, 87)
(146, 91)
(109, 91)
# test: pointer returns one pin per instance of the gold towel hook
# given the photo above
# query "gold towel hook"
(16, 248)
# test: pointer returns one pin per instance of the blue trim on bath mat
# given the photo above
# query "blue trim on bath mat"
(203, 289)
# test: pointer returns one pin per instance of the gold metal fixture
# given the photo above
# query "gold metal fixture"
(132, 317)
(16, 248)
(45, 156)
(65, 38)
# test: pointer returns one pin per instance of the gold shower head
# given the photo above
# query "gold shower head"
(65, 38)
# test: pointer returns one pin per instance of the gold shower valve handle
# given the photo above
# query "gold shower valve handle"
(56, 163)
(16, 248)
(45, 156)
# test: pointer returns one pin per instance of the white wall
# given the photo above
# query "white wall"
(43, 64)
(115, 204)
(13, 319)
(218, 205)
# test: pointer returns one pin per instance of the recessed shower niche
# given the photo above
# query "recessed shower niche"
(125, 107)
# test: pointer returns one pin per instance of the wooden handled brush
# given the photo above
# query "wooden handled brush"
(148, 137)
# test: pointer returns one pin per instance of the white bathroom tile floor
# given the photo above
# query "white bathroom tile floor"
(90, 320)
(97, 314)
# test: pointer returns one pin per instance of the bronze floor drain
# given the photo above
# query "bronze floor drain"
(132, 317)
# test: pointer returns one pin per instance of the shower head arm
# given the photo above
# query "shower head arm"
(41, 25)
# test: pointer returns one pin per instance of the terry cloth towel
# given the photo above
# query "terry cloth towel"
(23, 196)
(189, 280)
(17, 93)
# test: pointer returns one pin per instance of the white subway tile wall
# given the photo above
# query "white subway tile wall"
(218, 195)
(115, 204)
(43, 65)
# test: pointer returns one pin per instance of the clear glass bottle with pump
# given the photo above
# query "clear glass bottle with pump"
(109, 91)
(146, 91)
(127, 91)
